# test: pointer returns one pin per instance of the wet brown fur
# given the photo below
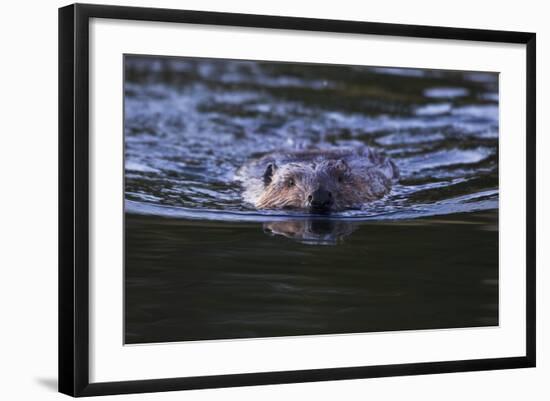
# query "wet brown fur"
(353, 176)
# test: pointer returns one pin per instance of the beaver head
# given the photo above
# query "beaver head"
(316, 186)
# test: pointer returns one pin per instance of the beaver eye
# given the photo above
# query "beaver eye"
(290, 182)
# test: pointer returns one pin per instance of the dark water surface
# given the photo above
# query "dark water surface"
(188, 280)
(202, 264)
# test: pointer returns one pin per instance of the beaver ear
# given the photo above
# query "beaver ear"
(268, 174)
(341, 165)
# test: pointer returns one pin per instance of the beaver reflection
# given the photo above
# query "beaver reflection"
(312, 231)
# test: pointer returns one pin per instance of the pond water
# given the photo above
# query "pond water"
(202, 264)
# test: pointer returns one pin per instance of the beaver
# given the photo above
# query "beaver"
(317, 180)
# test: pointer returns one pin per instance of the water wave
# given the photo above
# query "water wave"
(191, 123)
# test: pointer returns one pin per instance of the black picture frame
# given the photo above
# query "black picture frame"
(74, 203)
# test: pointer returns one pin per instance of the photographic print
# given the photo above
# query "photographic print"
(268, 199)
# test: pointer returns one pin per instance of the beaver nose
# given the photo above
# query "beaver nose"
(320, 199)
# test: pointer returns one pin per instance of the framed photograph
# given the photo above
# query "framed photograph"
(249, 199)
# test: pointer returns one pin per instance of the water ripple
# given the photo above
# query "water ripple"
(190, 123)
